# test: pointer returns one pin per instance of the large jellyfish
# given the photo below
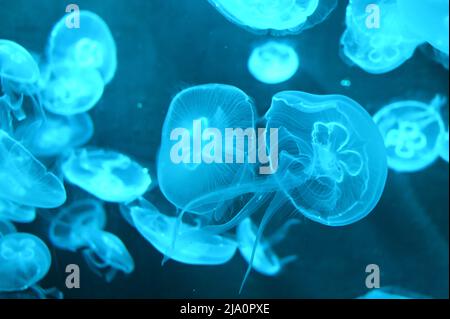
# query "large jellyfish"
(412, 132)
(16, 213)
(193, 246)
(89, 46)
(108, 175)
(266, 260)
(24, 180)
(56, 134)
(276, 16)
(273, 62)
(376, 39)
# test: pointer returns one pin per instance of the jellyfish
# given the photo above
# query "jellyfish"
(376, 39)
(6, 227)
(391, 293)
(411, 131)
(24, 180)
(428, 20)
(443, 149)
(273, 62)
(193, 246)
(89, 46)
(108, 175)
(68, 90)
(24, 261)
(266, 260)
(56, 134)
(279, 17)
(16, 213)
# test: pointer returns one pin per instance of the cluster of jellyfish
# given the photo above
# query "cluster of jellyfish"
(332, 163)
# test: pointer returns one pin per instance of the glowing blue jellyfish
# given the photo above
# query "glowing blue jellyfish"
(24, 180)
(193, 245)
(6, 227)
(55, 134)
(376, 39)
(273, 62)
(443, 150)
(411, 132)
(391, 293)
(276, 16)
(428, 19)
(16, 213)
(67, 90)
(89, 46)
(108, 175)
(265, 261)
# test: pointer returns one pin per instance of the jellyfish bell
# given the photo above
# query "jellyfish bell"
(278, 17)
(108, 175)
(16, 213)
(24, 180)
(392, 292)
(17, 64)
(90, 46)
(411, 131)
(273, 62)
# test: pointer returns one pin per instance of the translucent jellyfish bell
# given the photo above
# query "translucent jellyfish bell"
(108, 175)
(89, 46)
(273, 62)
(17, 64)
(265, 260)
(376, 47)
(56, 134)
(16, 213)
(391, 293)
(332, 160)
(411, 132)
(443, 150)
(24, 180)
(24, 261)
(276, 16)
(6, 227)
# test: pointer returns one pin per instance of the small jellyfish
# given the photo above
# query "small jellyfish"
(108, 175)
(6, 227)
(16, 213)
(56, 134)
(411, 132)
(276, 16)
(24, 180)
(443, 149)
(89, 46)
(265, 261)
(193, 245)
(376, 39)
(273, 62)
(391, 293)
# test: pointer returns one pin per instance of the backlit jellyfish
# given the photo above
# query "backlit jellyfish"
(67, 90)
(273, 62)
(193, 245)
(106, 174)
(428, 19)
(56, 134)
(411, 132)
(89, 46)
(391, 293)
(276, 16)
(16, 213)
(6, 227)
(376, 39)
(265, 261)
(24, 180)
(443, 149)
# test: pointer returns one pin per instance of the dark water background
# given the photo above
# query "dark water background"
(166, 45)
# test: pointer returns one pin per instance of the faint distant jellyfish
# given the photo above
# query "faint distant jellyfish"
(377, 49)
(265, 261)
(16, 213)
(24, 180)
(56, 134)
(90, 46)
(411, 132)
(273, 62)
(443, 150)
(6, 227)
(108, 175)
(276, 16)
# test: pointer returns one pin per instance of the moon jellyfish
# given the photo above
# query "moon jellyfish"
(56, 134)
(24, 180)
(90, 46)
(193, 246)
(273, 62)
(6, 227)
(276, 16)
(428, 19)
(265, 261)
(376, 39)
(108, 175)
(16, 213)
(411, 132)
(443, 150)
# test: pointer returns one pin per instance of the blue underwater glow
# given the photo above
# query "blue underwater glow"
(443, 149)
